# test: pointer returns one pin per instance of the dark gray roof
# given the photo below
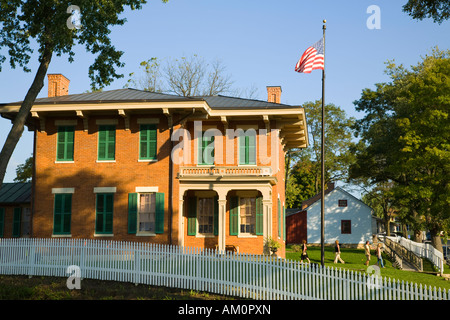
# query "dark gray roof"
(134, 95)
(224, 102)
(17, 192)
(110, 96)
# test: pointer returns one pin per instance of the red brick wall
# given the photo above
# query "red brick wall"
(9, 218)
(58, 85)
(126, 173)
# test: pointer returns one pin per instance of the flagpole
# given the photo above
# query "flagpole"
(322, 241)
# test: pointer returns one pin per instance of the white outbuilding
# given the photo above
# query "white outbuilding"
(347, 219)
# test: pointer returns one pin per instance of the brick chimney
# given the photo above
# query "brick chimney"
(274, 94)
(58, 85)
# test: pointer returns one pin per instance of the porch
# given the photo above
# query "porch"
(225, 215)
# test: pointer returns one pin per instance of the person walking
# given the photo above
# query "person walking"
(367, 253)
(379, 257)
(337, 253)
(304, 253)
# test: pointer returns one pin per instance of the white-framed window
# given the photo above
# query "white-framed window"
(146, 213)
(205, 216)
(247, 215)
(342, 202)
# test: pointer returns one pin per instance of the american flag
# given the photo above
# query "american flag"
(312, 58)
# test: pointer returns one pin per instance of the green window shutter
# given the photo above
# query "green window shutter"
(65, 143)
(159, 213)
(192, 216)
(2, 221)
(259, 216)
(247, 149)
(251, 149)
(284, 223)
(16, 222)
(62, 212)
(104, 213)
(234, 216)
(106, 142)
(242, 150)
(216, 216)
(132, 213)
(148, 142)
(206, 150)
(279, 218)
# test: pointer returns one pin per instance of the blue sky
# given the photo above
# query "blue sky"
(259, 42)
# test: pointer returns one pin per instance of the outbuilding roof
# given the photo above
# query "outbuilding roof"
(17, 192)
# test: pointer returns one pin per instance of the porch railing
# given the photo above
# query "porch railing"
(225, 171)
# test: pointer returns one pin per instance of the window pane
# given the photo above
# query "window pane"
(104, 214)
(99, 225)
(247, 215)
(146, 216)
(147, 142)
(342, 203)
(100, 203)
(205, 215)
(109, 203)
(106, 142)
(65, 143)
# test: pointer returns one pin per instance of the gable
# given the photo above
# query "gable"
(331, 200)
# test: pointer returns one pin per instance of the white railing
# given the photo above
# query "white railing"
(424, 250)
(241, 275)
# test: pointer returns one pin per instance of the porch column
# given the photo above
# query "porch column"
(222, 222)
(267, 218)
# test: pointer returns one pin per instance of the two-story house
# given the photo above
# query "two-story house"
(140, 166)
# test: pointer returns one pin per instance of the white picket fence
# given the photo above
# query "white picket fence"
(240, 275)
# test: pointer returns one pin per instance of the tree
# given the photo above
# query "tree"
(438, 10)
(406, 133)
(24, 172)
(187, 76)
(381, 200)
(151, 78)
(300, 184)
(50, 24)
(305, 165)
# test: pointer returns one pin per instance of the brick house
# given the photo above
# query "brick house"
(140, 166)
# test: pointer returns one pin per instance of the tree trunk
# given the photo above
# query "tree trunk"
(21, 117)
(436, 240)
(418, 236)
(387, 226)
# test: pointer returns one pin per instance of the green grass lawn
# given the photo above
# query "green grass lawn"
(355, 259)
